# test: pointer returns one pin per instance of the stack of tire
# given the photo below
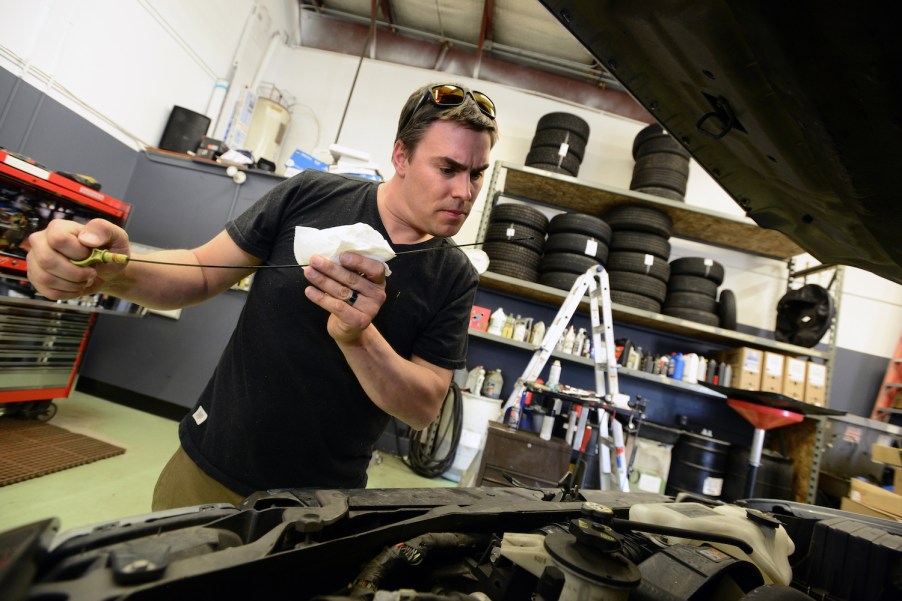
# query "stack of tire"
(559, 143)
(692, 293)
(662, 164)
(640, 247)
(575, 243)
(515, 240)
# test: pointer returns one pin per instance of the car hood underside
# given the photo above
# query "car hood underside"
(790, 107)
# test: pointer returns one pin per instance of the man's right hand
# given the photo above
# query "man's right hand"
(49, 268)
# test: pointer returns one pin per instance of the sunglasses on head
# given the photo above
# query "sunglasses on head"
(453, 95)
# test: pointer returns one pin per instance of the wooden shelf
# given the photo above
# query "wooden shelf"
(689, 222)
(639, 317)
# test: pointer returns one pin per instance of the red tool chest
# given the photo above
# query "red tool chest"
(42, 341)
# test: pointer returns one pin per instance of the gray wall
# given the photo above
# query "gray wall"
(33, 124)
(178, 203)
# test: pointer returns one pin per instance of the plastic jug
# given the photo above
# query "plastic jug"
(496, 322)
(770, 543)
(491, 388)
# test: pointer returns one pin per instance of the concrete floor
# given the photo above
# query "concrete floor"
(122, 486)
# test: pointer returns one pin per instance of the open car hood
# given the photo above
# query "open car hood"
(791, 107)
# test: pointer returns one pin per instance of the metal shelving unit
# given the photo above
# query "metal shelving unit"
(691, 223)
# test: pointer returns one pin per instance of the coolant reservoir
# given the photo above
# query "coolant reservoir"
(589, 575)
(770, 543)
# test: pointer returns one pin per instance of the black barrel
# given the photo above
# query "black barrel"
(698, 465)
(774, 479)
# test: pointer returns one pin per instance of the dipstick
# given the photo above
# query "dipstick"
(106, 256)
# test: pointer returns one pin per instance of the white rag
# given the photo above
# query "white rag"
(359, 238)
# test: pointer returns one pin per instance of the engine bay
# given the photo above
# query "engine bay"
(461, 543)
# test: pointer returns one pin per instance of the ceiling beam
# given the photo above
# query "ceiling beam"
(486, 32)
(387, 12)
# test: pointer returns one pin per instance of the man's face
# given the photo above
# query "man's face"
(444, 176)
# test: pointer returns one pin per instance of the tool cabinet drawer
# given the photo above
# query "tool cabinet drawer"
(524, 456)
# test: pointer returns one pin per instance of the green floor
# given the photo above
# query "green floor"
(122, 486)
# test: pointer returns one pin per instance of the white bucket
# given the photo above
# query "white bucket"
(478, 412)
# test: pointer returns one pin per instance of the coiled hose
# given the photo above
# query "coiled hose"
(432, 450)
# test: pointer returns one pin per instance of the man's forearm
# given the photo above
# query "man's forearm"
(412, 391)
(162, 286)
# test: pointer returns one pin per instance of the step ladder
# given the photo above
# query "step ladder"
(595, 283)
(889, 397)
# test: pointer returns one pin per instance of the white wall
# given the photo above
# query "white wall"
(123, 64)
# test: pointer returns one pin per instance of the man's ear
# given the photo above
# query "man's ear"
(399, 158)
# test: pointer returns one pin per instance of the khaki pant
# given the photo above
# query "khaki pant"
(183, 484)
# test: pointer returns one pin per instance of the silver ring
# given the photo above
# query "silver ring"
(352, 299)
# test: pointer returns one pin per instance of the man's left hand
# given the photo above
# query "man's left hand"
(353, 292)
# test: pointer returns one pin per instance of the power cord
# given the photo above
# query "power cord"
(432, 450)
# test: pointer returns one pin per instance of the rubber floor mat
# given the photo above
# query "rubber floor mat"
(29, 449)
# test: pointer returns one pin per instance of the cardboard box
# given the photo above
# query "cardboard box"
(886, 454)
(848, 504)
(816, 384)
(794, 378)
(746, 364)
(479, 318)
(876, 498)
(772, 372)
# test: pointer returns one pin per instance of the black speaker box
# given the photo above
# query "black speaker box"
(184, 130)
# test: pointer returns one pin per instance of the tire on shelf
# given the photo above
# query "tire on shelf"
(659, 178)
(580, 223)
(648, 133)
(710, 319)
(558, 279)
(663, 160)
(660, 145)
(569, 121)
(698, 266)
(554, 137)
(549, 156)
(691, 283)
(641, 242)
(566, 263)
(661, 192)
(519, 213)
(726, 309)
(637, 301)
(639, 263)
(514, 270)
(579, 244)
(516, 233)
(638, 283)
(639, 218)
(505, 251)
(690, 300)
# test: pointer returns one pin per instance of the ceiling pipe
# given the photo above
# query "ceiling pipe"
(373, 12)
(444, 47)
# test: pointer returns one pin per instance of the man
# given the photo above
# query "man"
(321, 356)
